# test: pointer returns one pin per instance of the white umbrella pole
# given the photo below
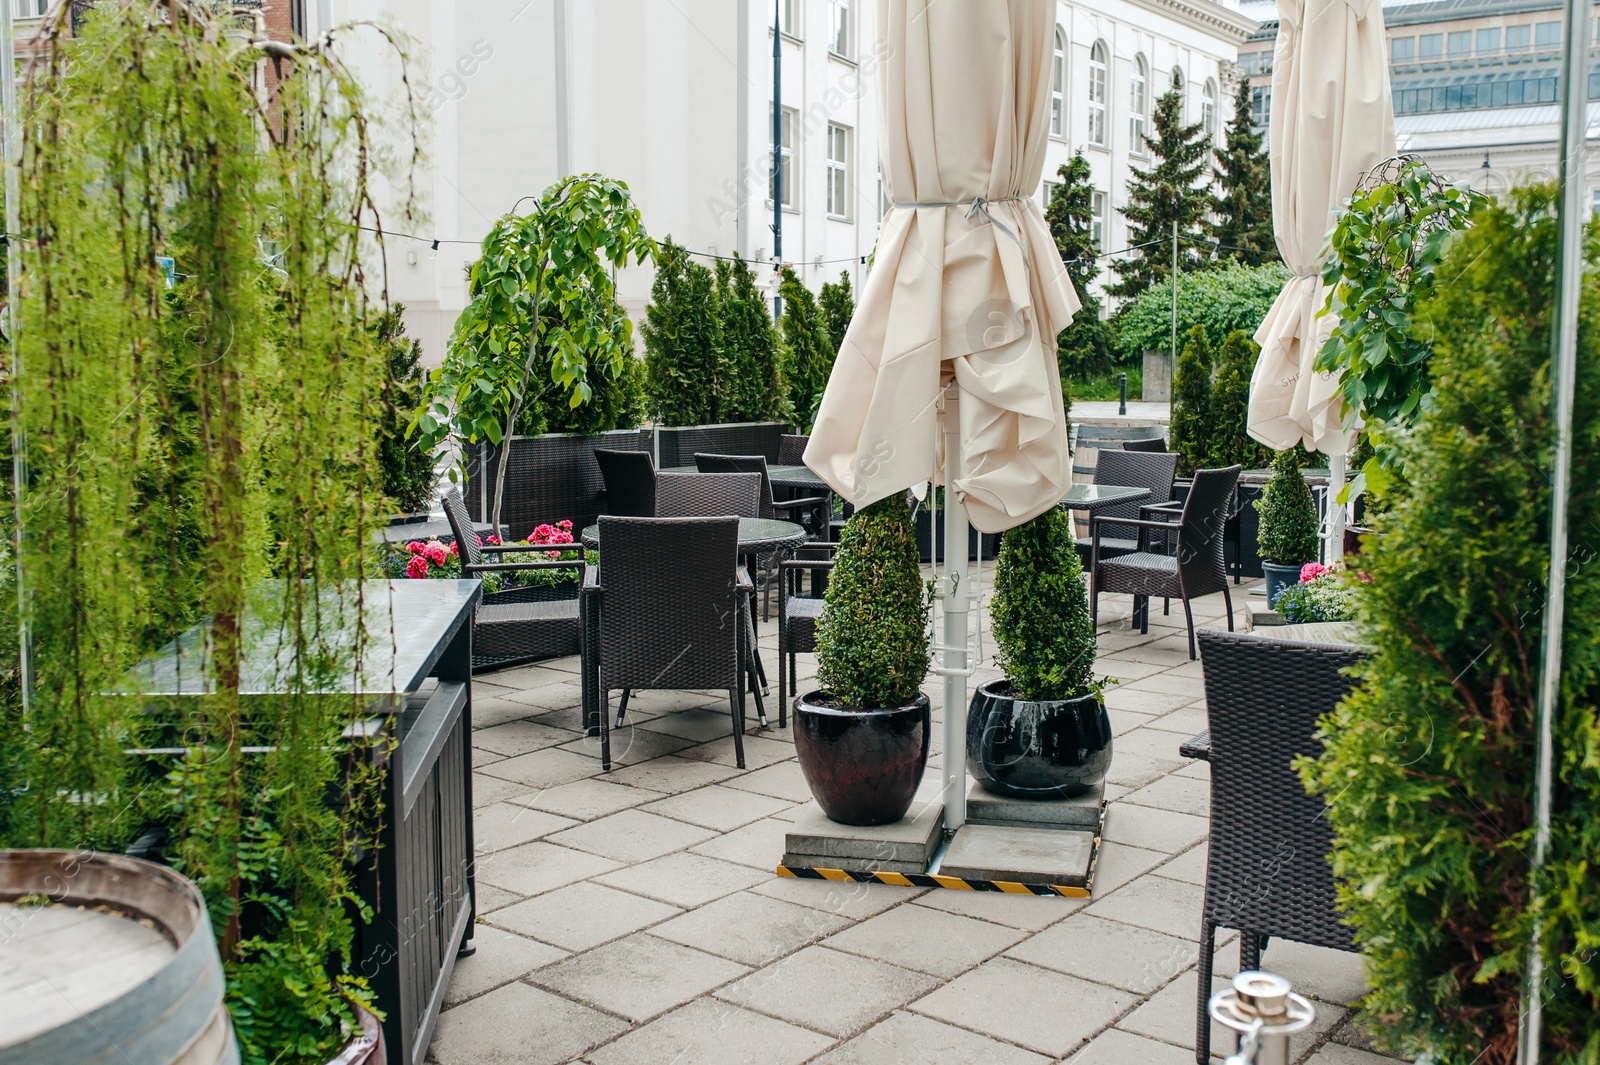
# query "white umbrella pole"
(953, 593)
(1334, 548)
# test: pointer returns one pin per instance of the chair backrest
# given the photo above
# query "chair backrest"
(1200, 541)
(455, 512)
(792, 449)
(1155, 443)
(670, 612)
(630, 478)
(1268, 866)
(1088, 440)
(699, 495)
(741, 464)
(1135, 469)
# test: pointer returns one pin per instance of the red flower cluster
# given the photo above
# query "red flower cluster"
(417, 567)
(559, 533)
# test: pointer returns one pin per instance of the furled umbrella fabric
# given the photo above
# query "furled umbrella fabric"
(1332, 121)
(966, 281)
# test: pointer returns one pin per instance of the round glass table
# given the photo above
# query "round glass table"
(755, 534)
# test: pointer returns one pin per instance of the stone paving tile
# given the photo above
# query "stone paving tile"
(1156, 903)
(630, 745)
(1167, 682)
(491, 898)
(685, 880)
(587, 799)
(519, 1025)
(1153, 744)
(1335, 976)
(481, 757)
(501, 958)
(1037, 1008)
(639, 977)
(716, 807)
(781, 781)
(1140, 701)
(487, 790)
(1125, 721)
(569, 717)
(1178, 794)
(1190, 866)
(1189, 721)
(632, 836)
(520, 737)
(1124, 670)
(580, 916)
(698, 726)
(492, 711)
(760, 750)
(1336, 1054)
(908, 1037)
(548, 696)
(1153, 829)
(1119, 863)
(1169, 1016)
(1116, 1047)
(925, 939)
(750, 928)
(708, 1032)
(672, 774)
(1108, 952)
(537, 867)
(543, 769)
(851, 900)
(1135, 771)
(1028, 913)
(759, 845)
(809, 988)
(1195, 770)
(505, 825)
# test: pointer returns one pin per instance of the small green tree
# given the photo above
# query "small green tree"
(1173, 190)
(1228, 440)
(1040, 609)
(406, 469)
(838, 307)
(752, 388)
(1191, 403)
(682, 339)
(808, 349)
(1084, 348)
(1288, 535)
(872, 641)
(1241, 207)
(1222, 299)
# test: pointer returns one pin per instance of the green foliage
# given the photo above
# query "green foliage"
(1045, 639)
(1288, 535)
(872, 641)
(838, 307)
(683, 338)
(1084, 348)
(616, 395)
(1428, 768)
(1387, 243)
(1173, 190)
(752, 387)
(1330, 597)
(1191, 403)
(1222, 299)
(1108, 386)
(1241, 206)
(208, 452)
(1228, 441)
(407, 470)
(808, 349)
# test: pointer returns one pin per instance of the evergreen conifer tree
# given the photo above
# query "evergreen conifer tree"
(1241, 206)
(808, 349)
(752, 387)
(1084, 347)
(406, 467)
(1227, 440)
(1191, 403)
(682, 338)
(1172, 190)
(838, 307)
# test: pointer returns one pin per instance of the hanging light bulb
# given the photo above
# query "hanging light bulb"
(433, 252)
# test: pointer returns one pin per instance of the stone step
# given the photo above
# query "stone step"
(905, 846)
(1057, 857)
(1081, 813)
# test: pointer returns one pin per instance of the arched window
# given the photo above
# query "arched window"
(1058, 86)
(1138, 104)
(1177, 78)
(1208, 109)
(1097, 93)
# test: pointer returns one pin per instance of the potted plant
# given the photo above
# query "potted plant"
(862, 740)
(1323, 593)
(1041, 731)
(1288, 536)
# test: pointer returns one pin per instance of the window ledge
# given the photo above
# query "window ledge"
(846, 60)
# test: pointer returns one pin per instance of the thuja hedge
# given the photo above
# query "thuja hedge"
(1428, 770)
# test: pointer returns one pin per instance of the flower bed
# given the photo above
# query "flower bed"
(1325, 593)
(435, 560)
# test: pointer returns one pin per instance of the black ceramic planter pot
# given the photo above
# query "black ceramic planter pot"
(863, 766)
(1037, 750)
(1278, 577)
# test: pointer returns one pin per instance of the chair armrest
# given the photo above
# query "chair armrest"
(1174, 508)
(818, 564)
(1097, 519)
(799, 504)
(742, 581)
(506, 567)
(503, 548)
(1198, 746)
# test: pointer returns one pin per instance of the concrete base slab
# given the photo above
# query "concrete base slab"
(792, 860)
(1080, 813)
(1022, 855)
(1258, 616)
(909, 841)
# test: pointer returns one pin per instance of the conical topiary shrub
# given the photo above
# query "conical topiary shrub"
(1288, 535)
(1040, 611)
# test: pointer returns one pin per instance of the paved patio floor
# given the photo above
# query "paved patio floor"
(634, 918)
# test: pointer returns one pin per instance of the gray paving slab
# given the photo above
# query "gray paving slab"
(1154, 829)
(539, 866)
(926, 939)
(519, 1025)
(805, 988)
(910, 1037)
(1116, 1047)
(716, 807)
(1042, 1010)
(751, 928)
(1108, 952)
(580, 916)
(638, 977)
(686, 880)
(1156, 903)
(986, 808)
(585, 800)
(501, 957)
(911, 840)
(711, 1032)
(632, 836)
(1022, 855)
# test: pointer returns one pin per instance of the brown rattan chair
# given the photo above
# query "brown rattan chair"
(708, 495)
(665, 610)
(792, 449)
(1267, 871)
(1131, 469)
(810, 511)
(630, 478)
(798, 615)
(519, 624)
(1196, 569)
(1154, 443)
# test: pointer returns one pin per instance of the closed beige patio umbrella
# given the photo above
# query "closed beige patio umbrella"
(966, 280)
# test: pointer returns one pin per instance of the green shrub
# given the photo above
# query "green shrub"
(1428, 768)
(406, 469)
(616, 395)
(1288, 535)
(1191, 403)
(1040, 609)
(808, 350)
(683, 339)
(1221, 299)
(1330, 597)
(752, 387)
(1228, 440)
(872, 642)
(838, 307)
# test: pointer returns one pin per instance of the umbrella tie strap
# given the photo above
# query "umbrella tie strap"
(978, 206)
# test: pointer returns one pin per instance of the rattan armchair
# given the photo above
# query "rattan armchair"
(798, 615)
(519, 624)
(1267, 871)
(708, 495)
(1131, 469)
(810, 511)
(792, 449)
(1196, 569)
(630, 478)
(1154, 443)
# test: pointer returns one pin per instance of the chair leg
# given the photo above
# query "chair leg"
(736, 704)
(1141, 612)
(1228, 602)
(1202, 1021)
(783, 632)
(605, 731)
(1188, 616)
(1249, 951)
(622, 707)
(1094, 602)
(1166, 606)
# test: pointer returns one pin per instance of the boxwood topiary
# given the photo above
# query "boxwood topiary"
(1040, 611)
(1288, 533)
(872, 642)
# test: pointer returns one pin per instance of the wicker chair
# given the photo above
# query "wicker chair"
(798, 615)
(1134, 470)
(657, 611)
(1198, 567)
(810, 511)
(708, 495)
(1155, 443)
(630, 478)
(1267, 872)
(520, 624)
(792, 449)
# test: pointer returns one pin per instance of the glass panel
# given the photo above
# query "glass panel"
(1518, 38)
(1460, 44)
(1489, 41)
(840, 43)
(1430, 46)
(1402, 49)
(1547, 35)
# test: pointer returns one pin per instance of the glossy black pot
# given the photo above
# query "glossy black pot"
(863, 766)
(1037, 750)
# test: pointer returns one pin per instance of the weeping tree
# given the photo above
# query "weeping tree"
(201, 447)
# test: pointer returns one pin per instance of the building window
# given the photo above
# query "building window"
(1518, 38)
(841, 40)
(1261, 107)
(1594, 202)
(1250, 62)
(1058, 86)
(791, 18)
(31, 8)
(1460, 44)
(838, 171)
(1208, 109)
(1097, 219)
(1266, 62)
(1138, 104)
(1489, 42)
(1097, 93)
(1402, 49)
(1430, 47)
(1177, 79)
(1547, 35)
(784, 180)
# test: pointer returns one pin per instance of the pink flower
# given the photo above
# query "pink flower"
(565, 525)
(1312, 570)
(542, 534)
(492, 540)
(417, 568)
(414, 547)
(455, 549)
(478, 538)
(436, 553)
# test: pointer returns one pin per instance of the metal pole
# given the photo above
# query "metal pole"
(1564, 363)
(954, 752)
(1122, 397)
(1333, 548)
(11, 161)
(1173, 375)
(777, 151)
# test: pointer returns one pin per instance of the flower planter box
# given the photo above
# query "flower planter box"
(679, 443)
(549, 478)
(990, 545)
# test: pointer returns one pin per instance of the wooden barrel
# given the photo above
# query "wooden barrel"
(107, 960)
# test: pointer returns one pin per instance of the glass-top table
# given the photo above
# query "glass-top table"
(1096, 497)
(781, 476)
(755, 534)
